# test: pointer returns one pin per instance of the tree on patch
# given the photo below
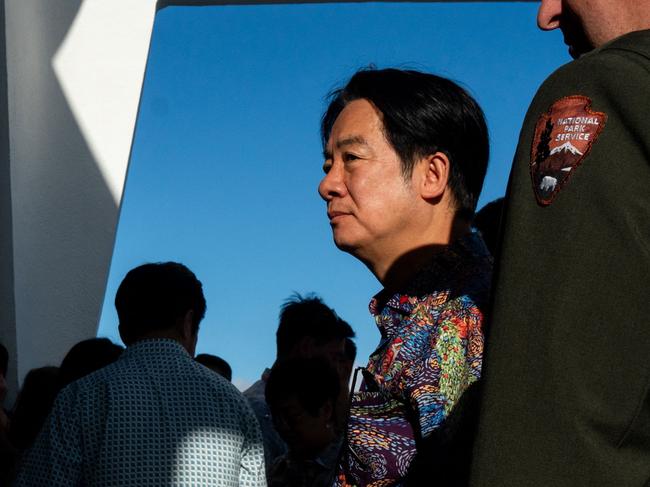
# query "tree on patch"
(543, 150)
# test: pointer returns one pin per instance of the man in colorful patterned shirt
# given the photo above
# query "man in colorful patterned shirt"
(405, 158)
(155, 416)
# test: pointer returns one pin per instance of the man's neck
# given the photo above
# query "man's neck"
(396, 272)
(170, 334)
(630, 16)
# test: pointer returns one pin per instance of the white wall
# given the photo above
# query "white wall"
(74, 74)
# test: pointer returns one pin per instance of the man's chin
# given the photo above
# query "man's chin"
(345, 245)
(577, 49)
(575, 52)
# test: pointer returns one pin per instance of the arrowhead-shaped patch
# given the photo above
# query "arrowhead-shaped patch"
(563, 137)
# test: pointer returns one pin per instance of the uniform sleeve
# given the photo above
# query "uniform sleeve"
(252, 472)
(55, 458)
(451, 363)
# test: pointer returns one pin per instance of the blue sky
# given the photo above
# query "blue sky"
(226, 156)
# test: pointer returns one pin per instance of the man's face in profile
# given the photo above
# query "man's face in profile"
(586, 24)
(368, 201)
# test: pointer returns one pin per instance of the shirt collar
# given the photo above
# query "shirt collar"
(435, 279)
(155, 346)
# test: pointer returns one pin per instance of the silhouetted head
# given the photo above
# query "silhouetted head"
(422, 114)
(350, 350)
(158, 300)
(308, 327)
(216, 364)
(302, 395)
(488, 222)
(87, 356)
(33, 404)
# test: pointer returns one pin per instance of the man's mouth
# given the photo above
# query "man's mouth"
(333, 215)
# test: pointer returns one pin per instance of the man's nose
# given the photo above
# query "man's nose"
(549, 13)
(332, 184)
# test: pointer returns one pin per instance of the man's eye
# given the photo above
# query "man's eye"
(327, 166)
(349, 157)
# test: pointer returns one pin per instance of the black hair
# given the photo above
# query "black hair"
(33, 404)
(423, 114)
(302, 317)
(216, 364)
(87, 356)
(157, 296)
(312, 381)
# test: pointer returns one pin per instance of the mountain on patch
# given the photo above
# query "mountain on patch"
(566, 147)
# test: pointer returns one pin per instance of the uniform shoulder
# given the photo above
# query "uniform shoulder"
(636, 44)
(625, 60)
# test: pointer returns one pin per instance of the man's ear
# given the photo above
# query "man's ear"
(189, 334)
(124, 335)
(327, 410)
(435, 171)
(187, 329)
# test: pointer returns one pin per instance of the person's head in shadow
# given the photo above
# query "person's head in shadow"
(405, 154)
(87, 356)
(302, 394)
(488, 222)
(160, 300)
(309, 328)
(33, 404)
(216, 364)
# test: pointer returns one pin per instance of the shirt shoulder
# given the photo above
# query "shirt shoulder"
(222, 387)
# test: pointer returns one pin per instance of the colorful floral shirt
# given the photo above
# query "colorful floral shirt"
(430, 352)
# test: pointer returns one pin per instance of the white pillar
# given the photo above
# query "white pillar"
(74, 71)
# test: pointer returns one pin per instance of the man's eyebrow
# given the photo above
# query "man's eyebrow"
(352, 140)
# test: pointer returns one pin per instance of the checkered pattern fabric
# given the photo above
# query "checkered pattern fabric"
(153, 418)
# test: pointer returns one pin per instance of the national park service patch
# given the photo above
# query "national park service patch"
(563, 137)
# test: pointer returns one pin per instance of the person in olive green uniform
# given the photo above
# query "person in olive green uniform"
(567, 372)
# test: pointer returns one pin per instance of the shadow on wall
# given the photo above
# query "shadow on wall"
(64, 215)
(7, 316)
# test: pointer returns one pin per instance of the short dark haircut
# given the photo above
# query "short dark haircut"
(423, 114)
(156, 297)
(312, 381)
(308, 317)
(217, 364)
(87, 356)
(33, 404)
